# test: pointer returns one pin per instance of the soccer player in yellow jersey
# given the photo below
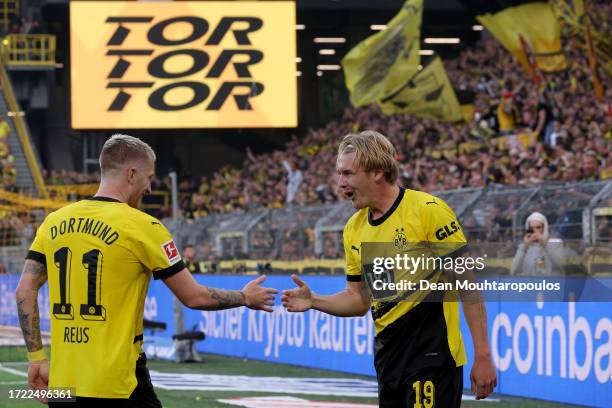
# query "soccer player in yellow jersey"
(98, 256)
(418, 347)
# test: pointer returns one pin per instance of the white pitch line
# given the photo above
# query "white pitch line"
(15, 363)
(467, 397)
(310, 386)
(13, 371)
(13, 383)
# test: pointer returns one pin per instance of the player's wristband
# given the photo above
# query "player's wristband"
(37, 356)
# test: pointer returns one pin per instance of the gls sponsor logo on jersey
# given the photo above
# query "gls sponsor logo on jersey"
(197, 64)
(447, 230)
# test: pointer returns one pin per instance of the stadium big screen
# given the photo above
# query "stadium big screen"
(183, 64)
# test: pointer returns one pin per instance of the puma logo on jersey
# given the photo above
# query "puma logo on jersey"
(155, 222)
(353, 247)
(431, 202)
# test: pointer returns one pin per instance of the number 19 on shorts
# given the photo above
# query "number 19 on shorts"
(424, 394)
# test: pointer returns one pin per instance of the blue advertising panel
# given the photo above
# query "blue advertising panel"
(311, 339)
(557, 351)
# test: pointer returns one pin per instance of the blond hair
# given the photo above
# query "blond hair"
(120, 149)
(373, 152)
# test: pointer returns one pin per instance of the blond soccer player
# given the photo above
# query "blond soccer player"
(419, 353)
(98, 256)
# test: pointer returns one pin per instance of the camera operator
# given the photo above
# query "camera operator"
(538, 254)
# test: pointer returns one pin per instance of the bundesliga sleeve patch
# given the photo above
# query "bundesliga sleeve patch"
(171, 252)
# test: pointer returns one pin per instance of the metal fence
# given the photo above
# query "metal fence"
(578, 213)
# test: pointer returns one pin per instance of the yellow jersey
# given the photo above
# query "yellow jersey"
(414, 217)
(100, 254)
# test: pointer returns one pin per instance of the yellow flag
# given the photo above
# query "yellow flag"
(379, 65)
(429, 93)
(574, 20)
(578, 7)
(537, 23)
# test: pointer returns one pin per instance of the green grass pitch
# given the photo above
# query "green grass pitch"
(14, 359)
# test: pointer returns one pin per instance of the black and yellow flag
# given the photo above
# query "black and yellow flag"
(379, 65)
(580, 25)
(599, 91)
(536, 23)
(466, 103)
(429, 93)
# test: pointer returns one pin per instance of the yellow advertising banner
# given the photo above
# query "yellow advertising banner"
(187, 64)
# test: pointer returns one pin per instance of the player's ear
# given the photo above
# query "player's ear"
(379, 176)
(130, 172)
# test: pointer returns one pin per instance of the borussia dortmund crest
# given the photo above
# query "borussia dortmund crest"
(400, 242)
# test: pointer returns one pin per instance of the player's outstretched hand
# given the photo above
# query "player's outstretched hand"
(38, 377)
(298, 299)
(258, 297)
(483, 377)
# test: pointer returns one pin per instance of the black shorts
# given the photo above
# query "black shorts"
(433, 387)
(143, 395)
(414, 364)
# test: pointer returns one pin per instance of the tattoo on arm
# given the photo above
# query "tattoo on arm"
(365, 294)
(227, 298)
(37, 271)
(27, 304)
(29, 320)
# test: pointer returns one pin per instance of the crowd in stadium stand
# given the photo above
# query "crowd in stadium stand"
(62, 177)
(572, 138)
(521, 134)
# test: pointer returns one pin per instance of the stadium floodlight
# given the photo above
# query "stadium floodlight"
(450, 40)
(426, 52)
(300, 27)
(298, 73)
(329, 67)
(378, 27)
(319, 73)
(477, 27)
(329, 40)
(327, 52)
(298, 59)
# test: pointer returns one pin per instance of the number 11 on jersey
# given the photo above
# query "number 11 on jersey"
(92, 263)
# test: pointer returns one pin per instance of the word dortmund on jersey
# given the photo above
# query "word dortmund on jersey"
(418, 217)
(100, 254)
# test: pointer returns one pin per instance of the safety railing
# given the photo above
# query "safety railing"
(28, 50)
(8, 9)
(23, 134)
